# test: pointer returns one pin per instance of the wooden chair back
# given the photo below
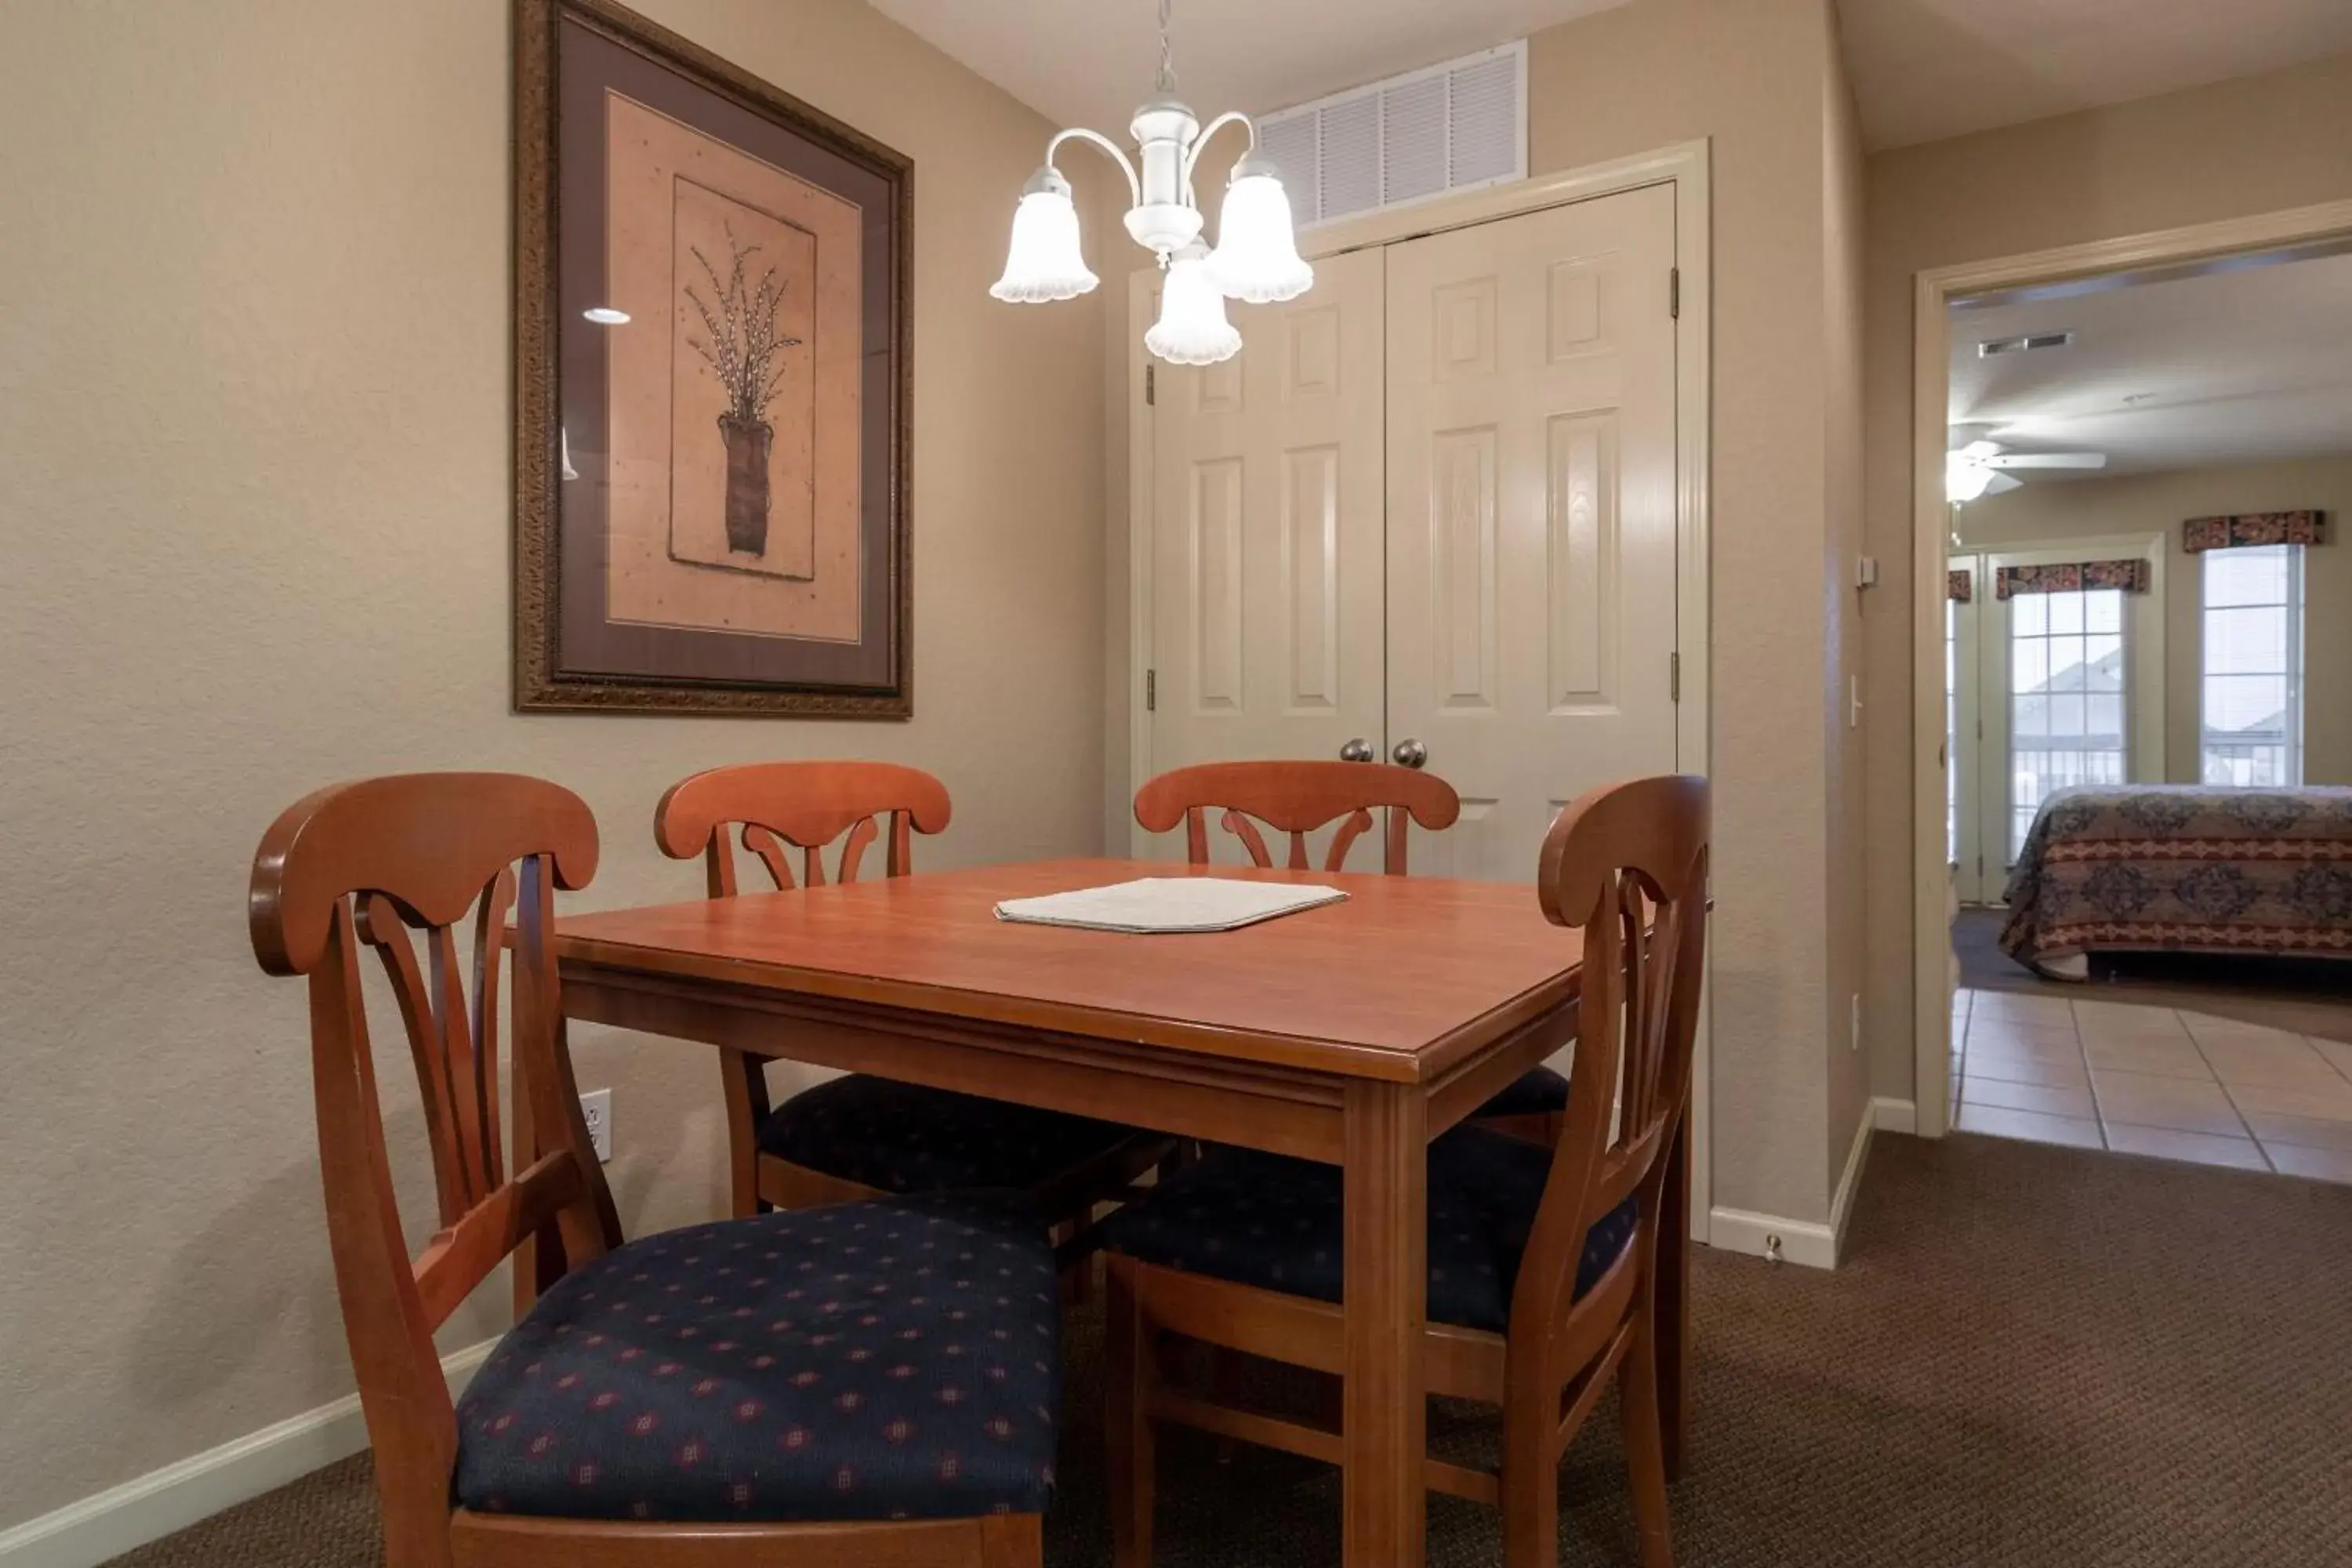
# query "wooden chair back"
(807, 805)
(1297, 798)
(383, 864)
(1628, 864)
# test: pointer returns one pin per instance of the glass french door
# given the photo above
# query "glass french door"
(2045, 692)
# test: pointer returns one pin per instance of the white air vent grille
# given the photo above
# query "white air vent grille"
(1453, 127)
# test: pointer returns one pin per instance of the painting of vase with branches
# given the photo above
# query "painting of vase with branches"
(745, 348)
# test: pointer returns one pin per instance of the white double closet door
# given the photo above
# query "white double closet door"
(1430, 508)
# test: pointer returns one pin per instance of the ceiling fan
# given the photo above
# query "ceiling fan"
(1983, 467)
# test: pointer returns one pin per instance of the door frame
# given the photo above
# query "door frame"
(1933, 291)
(1685, 165)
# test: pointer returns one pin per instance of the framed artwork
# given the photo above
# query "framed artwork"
(712, 376)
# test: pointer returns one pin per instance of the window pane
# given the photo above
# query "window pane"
(2067, 717)
(2246, 576)
(2104, 720)
(2103, 612)
(2066, 664)
(2029, 664)
(2246, 642)
(2103, 663)
(2032, 717)
(2066, 612)
(2028, 614)
(2237, 704)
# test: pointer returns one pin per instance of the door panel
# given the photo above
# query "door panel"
(1266, 612)
(1531, 515)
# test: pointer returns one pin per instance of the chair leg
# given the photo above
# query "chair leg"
(745, 1078)
(1128, 1435)
(1645, 1451)
(1530, 1479)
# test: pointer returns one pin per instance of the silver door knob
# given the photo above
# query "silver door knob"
(1409, 754)
(1358, 751)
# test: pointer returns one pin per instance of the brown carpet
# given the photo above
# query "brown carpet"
(2035, 1356)
(2303, 995)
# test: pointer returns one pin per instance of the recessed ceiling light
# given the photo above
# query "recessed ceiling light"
(605, 316)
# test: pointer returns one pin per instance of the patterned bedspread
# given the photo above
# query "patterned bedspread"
(2157, 868)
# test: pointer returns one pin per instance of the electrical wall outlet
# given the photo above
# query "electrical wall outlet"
(596, 1108)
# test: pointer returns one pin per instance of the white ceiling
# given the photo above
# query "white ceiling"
(1921, 68)
(2223, 367)
(1924, 69)
(1090, 62)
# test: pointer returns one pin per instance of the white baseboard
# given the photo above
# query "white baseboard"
(1810, 1242)
(97, 1529)
(1804, 1241)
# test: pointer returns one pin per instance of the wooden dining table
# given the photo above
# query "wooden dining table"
(1351, 1033)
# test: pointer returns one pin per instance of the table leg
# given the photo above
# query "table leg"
(1673, 1295)
(1385, 1414)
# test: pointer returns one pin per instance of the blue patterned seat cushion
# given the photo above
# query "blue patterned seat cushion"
(1275, 1223)
(861, 1362)
(1538, 1092)
(903, 1138)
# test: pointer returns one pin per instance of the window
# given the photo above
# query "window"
(2252, 686)
(2066, 666)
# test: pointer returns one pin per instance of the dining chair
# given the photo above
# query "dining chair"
(1298, 798)
(1541, 1260)
(861, 1136)
(690, 1400)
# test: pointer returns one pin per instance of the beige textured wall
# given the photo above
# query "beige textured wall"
(2254, 145)
(1753, 76)
(254, 498)
(2146, 503)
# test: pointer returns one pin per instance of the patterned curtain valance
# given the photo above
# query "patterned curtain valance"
(2202, 533)
(1960, 586)
(2131, 576)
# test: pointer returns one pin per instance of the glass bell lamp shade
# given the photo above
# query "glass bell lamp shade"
(1044, 264)
(1192, 328)
(1256, 260)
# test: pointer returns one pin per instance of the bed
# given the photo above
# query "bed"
(2182, 869)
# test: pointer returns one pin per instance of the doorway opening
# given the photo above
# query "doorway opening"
(2128, 458)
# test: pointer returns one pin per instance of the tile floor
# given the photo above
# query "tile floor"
(2151, 1080)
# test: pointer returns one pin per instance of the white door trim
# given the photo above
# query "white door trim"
(1686, 166)
(1930, 369)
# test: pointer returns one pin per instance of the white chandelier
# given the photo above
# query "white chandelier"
(1256, 258)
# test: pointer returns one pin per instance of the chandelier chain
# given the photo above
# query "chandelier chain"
(1167, 58)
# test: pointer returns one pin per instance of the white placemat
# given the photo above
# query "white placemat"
(1163, 904)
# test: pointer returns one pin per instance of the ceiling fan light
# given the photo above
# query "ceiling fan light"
(1965, 478)
(1256, 260)
(1192, 328)
(1044, 263)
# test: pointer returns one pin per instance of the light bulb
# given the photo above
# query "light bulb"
(1192, 328)
(1256, 260)
(1044, 263)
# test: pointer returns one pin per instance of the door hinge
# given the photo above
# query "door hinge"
(1151, 692)
(1674, 292)
(1151, 386)
(1673, 678)
(1979, 865)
